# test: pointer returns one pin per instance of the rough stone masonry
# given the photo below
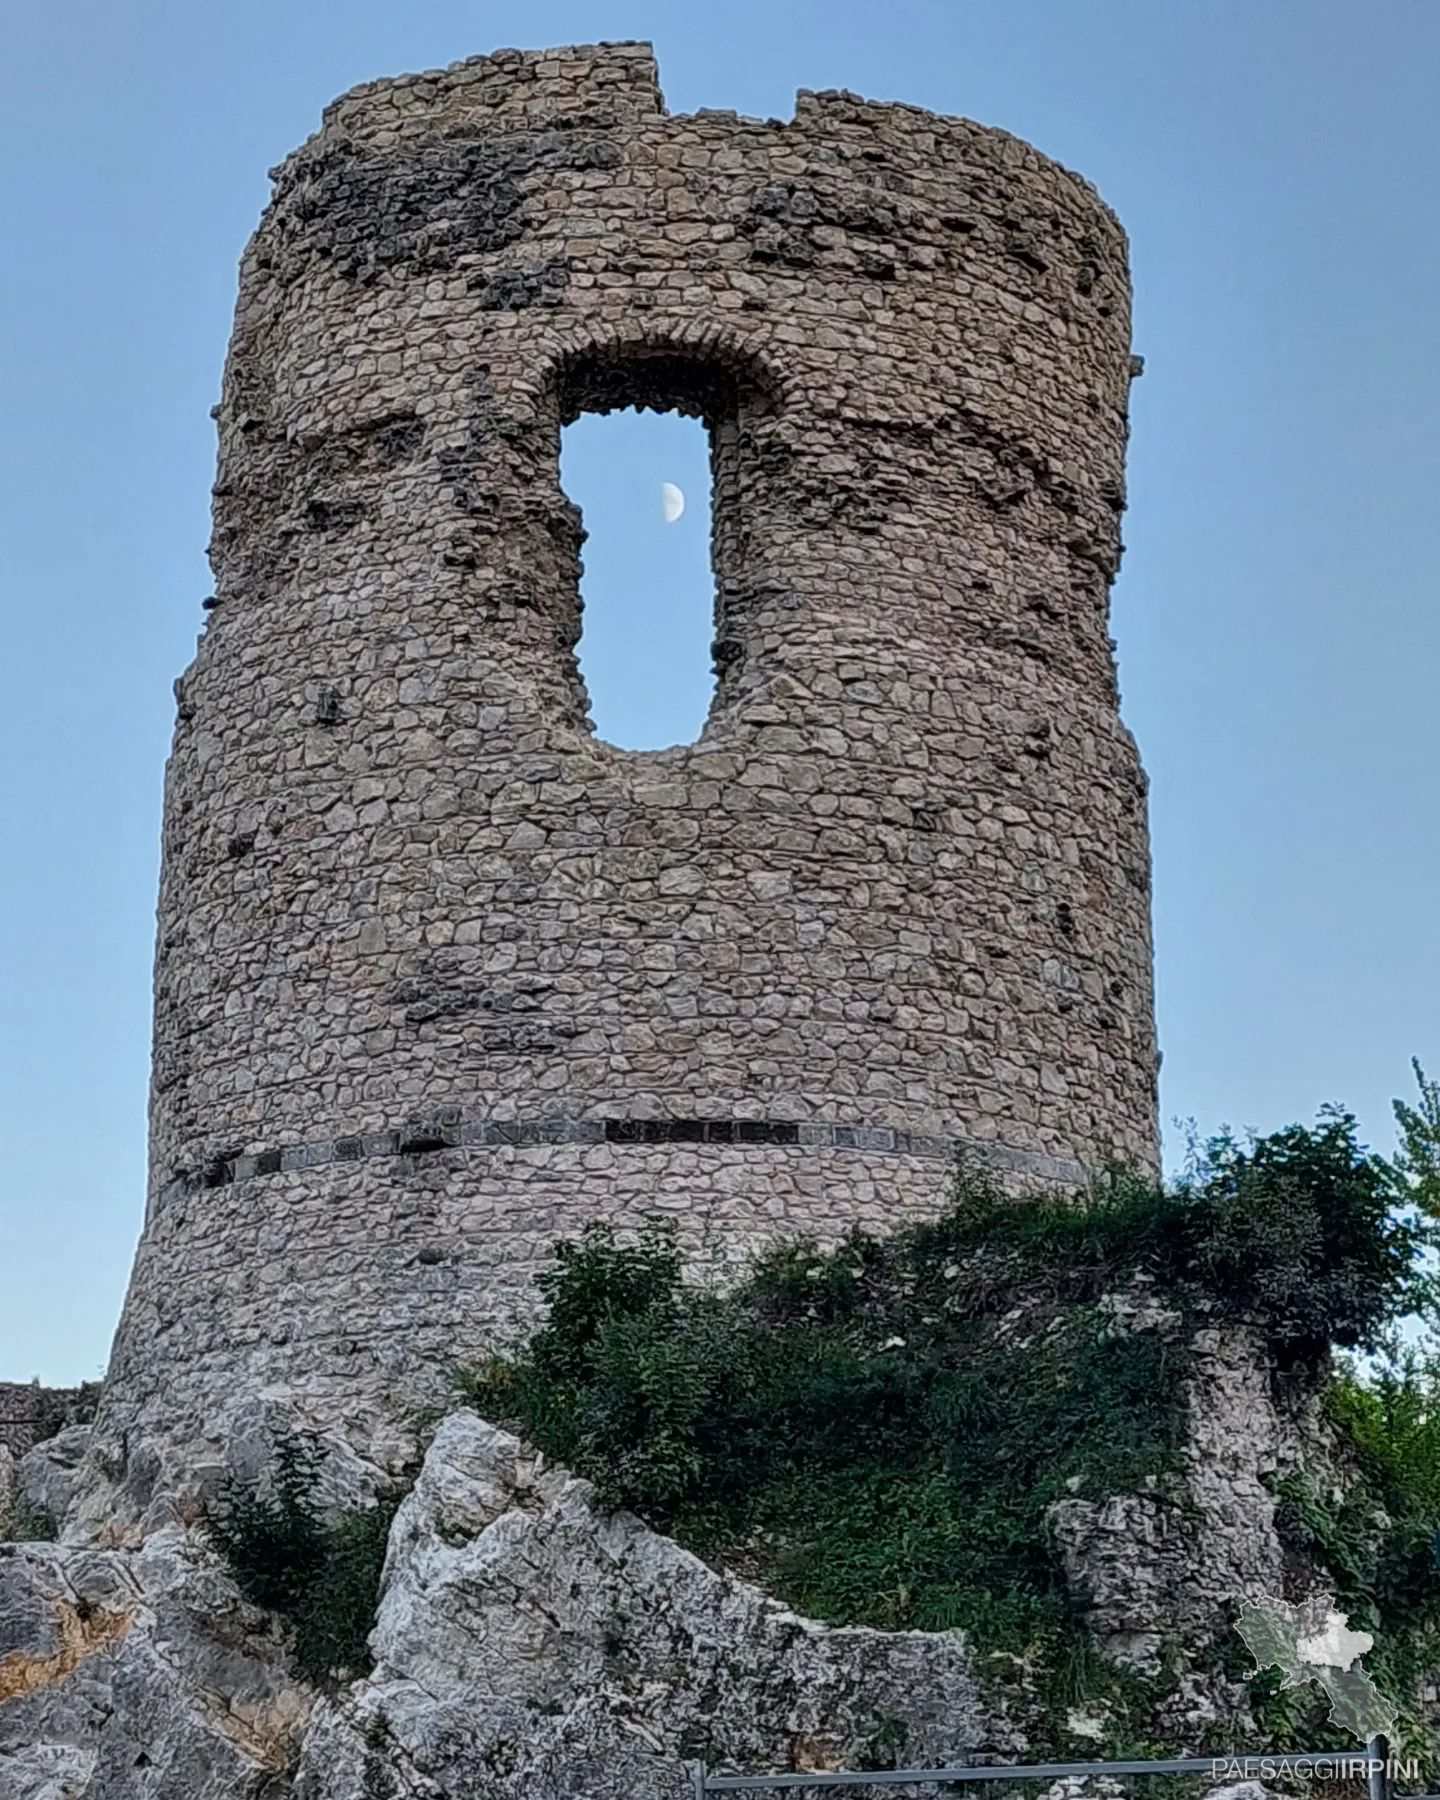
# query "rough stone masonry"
(30, 1413)
(441, 975)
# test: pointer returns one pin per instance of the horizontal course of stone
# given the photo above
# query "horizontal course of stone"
(425, 1138)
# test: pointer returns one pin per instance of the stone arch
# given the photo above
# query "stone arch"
(711, 342)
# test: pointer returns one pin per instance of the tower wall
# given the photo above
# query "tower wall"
(441, 975)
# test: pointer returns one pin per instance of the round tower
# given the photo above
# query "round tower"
(441, 975)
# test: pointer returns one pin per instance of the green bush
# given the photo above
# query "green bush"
(1300, 1230)
(22, 1522)
(1379, 1538)
(876, 1431)
(1414, 1170)
(321, 1575)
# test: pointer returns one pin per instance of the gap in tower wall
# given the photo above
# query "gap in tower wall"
(648, 588)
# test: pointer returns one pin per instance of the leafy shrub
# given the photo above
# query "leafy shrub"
(23, 1522)
(868, 1430)
(59, 1410)
(1414, 1170)
(1300, 1230)
(878, 1430)
(1379, 1536)
(321, 1575)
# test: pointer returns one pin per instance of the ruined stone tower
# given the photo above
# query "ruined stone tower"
(441, 975)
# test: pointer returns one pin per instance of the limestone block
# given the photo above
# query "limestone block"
(531, 1645)
(46, 1475)
(139, 1677)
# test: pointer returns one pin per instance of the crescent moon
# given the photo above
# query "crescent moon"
(672, 501)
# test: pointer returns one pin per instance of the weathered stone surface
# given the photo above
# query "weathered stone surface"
(1126, 1554)
(139, 1677)
(171, 1479)
(441, 975)
(531, 1646)
(1167, 1570)
(30, 1412)
(46, 1475)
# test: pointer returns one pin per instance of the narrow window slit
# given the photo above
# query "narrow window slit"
(647, 590)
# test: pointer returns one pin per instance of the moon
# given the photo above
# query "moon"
(672, 501)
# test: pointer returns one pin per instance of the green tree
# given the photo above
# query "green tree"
(319, 1573)
(1414, 1170)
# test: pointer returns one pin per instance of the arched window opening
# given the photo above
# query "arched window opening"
(642, 482)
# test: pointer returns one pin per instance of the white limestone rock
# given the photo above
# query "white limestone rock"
(530, 1644)
(162, 1482)
(139, 1676)
(46, 1475)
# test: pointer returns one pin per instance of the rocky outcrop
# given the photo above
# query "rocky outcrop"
(1168, 1568)
(47, 1475)
(139, 1676)
(118, 1501)
(530, 1644)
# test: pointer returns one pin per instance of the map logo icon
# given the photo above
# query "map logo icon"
(1309, 1642)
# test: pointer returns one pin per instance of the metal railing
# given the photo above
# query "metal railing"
(1369, 1763)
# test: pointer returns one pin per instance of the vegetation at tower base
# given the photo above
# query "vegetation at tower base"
(877, 1432)
(320, 1574)
(884, 1433)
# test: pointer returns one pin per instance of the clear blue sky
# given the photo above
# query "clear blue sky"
(1276, 165)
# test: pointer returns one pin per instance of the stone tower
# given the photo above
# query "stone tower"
(441, 975)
